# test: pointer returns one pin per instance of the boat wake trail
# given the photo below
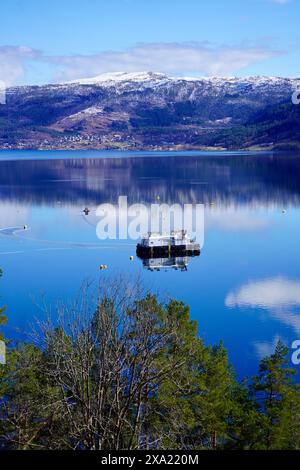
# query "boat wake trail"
(10, 231)
(54, 244)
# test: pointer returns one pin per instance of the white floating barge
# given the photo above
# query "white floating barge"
(156, 245)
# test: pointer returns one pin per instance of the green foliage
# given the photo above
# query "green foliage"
(279, 402)
(3, 318)
(136, 375)
(31, 416)
(3, 321)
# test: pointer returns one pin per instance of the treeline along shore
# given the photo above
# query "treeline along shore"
(124, 370)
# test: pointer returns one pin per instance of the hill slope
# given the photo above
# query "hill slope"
(149, 111)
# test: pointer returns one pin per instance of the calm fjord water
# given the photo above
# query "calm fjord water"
(244, 289)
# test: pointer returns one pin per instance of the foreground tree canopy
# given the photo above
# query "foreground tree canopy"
(130, 372)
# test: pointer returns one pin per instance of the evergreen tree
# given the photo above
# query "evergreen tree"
(244, 421)
(191, 408)
(136, 375)
(3, 321)
(28, 413)
(3, 318)
(278, 399)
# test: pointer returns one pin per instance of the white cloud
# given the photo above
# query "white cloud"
(270, 293)
(175, 58)
(288, 318)
(278, 295)
(233, 219)
(266, 348)
(198, 59)
(280, 2)
(13, 60)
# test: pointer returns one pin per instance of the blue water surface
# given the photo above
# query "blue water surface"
(244, 289)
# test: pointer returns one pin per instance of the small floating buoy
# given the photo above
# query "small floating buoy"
(283, 211)
(105, 266)
(101, 267)
(25, 227)
(131, 258)
(86, 210)
(158, 198)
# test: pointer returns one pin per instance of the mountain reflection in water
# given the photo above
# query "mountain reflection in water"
(243, 289)
(251, 179)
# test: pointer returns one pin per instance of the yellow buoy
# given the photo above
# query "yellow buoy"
(131, 258)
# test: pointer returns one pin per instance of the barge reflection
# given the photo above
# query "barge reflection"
(178, 263)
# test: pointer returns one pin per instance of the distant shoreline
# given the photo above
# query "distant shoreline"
(287, 146)
(6, 155)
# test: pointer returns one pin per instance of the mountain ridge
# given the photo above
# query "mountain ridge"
(147, 110)
(148, 75)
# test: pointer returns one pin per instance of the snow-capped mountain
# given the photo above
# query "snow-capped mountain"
(153, 79)
(112, 79)
(146, 110)
(150, 80)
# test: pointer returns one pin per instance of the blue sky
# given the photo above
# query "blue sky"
(46, 41)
